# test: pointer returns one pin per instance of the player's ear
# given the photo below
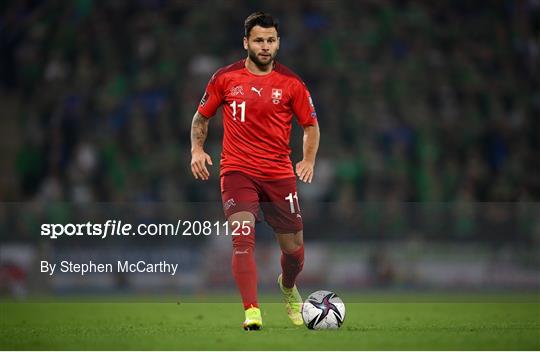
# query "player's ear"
(245, 43)
(278, 42)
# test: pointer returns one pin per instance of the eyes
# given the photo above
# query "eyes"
(261, 40)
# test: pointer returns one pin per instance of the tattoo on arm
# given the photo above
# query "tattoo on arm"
(199, 131)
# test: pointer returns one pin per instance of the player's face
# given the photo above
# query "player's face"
(262, 45)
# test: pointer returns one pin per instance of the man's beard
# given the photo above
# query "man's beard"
(253, 57)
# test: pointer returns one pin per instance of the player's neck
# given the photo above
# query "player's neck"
(258, 70)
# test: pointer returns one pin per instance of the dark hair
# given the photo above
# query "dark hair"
(262, 19)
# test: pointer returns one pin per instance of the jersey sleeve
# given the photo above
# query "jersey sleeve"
(212, 98)
(303, 106)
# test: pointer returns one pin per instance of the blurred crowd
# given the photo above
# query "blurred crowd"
(417, 100)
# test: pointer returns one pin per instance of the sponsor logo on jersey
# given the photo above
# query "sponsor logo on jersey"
(253, 89)
(204, 99)
(229, 203)
(238, 90)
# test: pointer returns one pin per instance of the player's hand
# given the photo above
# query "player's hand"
(198, 164)
(304, 170)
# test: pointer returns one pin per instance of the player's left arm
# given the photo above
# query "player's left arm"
(303, 108)
(304, 168)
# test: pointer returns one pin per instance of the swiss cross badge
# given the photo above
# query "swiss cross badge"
(276, 93)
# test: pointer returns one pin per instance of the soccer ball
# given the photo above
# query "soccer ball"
(323, 310)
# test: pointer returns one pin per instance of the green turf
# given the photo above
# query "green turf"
(164, 326)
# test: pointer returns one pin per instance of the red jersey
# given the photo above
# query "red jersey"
(257, 117)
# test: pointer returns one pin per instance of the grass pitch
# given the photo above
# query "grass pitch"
(211, 326)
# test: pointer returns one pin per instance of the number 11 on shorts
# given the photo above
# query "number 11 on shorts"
(290, 198)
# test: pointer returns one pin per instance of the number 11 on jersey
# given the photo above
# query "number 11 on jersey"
(242, 107)
(291, 198)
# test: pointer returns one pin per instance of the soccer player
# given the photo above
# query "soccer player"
(259, 97)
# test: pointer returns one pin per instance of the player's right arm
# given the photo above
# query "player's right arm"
(199, 158)
(211, 100)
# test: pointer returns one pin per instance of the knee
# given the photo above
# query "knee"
(241, 218)
(294, 244)
(237, 223)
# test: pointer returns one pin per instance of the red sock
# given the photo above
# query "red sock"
(244, 268)
(291, 266)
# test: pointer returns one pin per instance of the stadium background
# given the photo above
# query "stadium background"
(427, 176)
